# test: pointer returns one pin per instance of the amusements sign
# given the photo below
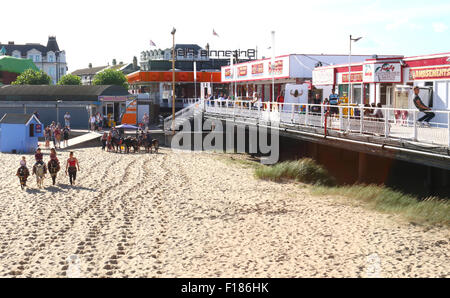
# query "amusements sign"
(38, 128)
(383, 73)
(430, 73)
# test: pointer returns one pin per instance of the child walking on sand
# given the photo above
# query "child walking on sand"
(23, 173)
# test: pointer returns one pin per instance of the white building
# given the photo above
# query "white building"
(49, 59)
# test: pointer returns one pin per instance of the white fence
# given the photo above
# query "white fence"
(383, 122)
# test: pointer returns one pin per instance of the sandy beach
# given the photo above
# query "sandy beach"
(195, 215)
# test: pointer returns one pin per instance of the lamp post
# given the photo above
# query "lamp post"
(58, 101)
(273, 66)
(350, 93)
(173, 80)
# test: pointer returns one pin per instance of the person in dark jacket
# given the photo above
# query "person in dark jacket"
(425, 120)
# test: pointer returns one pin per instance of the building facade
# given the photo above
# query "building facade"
(52, 102)
(50, 59)
(244, 79)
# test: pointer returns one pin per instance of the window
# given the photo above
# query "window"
(51, 58)
(37, 58)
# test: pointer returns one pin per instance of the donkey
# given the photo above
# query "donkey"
(40, 170)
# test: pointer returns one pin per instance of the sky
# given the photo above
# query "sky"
(93, 31)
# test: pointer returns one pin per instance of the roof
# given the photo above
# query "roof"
(16, 65)
(52, 45)
(16, 118)
(88, 71)
(56, 92)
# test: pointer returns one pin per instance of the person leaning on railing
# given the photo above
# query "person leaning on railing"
(425, 120)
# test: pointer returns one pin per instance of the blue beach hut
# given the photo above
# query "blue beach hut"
(19, 133)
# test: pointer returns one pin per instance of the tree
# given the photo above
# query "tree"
(70, 79)
(111, 77)
(33, 77)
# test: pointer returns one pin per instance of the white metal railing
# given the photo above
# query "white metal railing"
(382, 122)
(191, 104)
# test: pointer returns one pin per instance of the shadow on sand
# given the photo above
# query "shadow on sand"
(33, 190)
(76, 187)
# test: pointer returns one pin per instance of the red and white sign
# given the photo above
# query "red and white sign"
(324, 76)
(357, 77)
(430, 73)
(257, 70)
(382, 73)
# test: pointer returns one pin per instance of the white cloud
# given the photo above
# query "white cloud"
(440, 27)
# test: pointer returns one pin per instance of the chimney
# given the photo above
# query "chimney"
(52, 44)
(11, 42)
(90, 65)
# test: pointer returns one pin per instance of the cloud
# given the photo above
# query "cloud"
(439, 27)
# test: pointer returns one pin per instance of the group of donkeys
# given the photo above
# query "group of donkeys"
(135, 143)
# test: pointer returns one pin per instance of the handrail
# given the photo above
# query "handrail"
(388, 122)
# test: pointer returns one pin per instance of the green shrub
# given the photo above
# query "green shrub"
(305, 171)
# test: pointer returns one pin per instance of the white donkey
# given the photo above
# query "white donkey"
(40, 174)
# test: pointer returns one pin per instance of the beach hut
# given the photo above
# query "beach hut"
(19, 133)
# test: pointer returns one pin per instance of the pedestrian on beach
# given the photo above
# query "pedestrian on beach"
(72, 166)
(92, 122)
(425, 120)
(58, 136)
(146, 121)
(104, 139)
(47, 133)
(67, 119)
(53, 155)
(66, 134)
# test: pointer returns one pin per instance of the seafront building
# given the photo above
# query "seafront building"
(244, 79)
(49, 58)
(52, 102)
(87, 74)
(389, 81)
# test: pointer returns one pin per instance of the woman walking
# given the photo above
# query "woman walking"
(58, 136)
(66, 131)
(71, 168)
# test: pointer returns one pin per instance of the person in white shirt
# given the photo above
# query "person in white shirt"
(92, 122)
(67, 119)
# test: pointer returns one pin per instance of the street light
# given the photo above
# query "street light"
(58, 101)
(173, 80)
(350, 93)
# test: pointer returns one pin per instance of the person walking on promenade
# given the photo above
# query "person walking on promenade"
(425, 120)
(58, 136)
(146, 120)
(66, 134)
(92, 122)
(47, 133)
(67, 119)
(72, 166)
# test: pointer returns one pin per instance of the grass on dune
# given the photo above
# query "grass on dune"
(305, 171)
(383, 199)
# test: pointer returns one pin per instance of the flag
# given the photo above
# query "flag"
(152, 44)
(214, 33)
